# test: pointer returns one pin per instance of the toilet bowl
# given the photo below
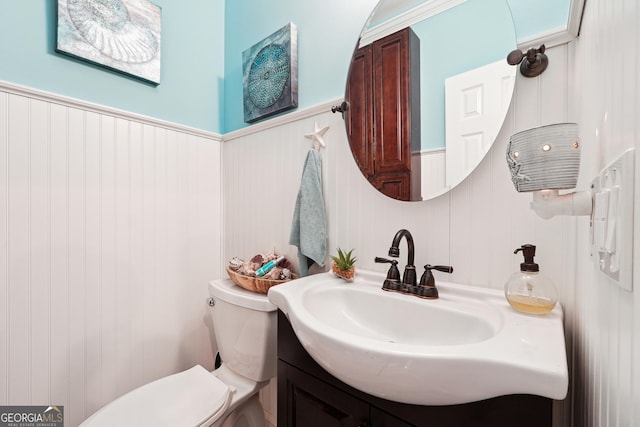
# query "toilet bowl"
(245, 330)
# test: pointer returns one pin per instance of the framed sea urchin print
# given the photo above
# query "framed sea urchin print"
(270, 75)
(123, 35)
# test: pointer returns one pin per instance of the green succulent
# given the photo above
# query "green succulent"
(344, 261)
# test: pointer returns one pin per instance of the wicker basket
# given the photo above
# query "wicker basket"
(255, 284)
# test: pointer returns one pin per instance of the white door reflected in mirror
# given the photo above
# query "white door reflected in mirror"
(476, 103)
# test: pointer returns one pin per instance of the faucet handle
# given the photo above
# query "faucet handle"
(393, 274)
(427, 288)
(443, 268)
(427, 277)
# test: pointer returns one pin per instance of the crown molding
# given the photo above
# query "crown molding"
(406, 19)
(550, 38)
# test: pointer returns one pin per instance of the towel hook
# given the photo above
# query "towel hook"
(317, 136)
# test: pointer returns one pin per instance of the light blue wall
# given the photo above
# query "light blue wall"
(192, 70)
(202, 44)
(446, 50)
(537, 17)
(327, 31)
(327, 34)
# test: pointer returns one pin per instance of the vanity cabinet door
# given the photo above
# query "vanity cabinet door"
(314, 403)
(383, 419)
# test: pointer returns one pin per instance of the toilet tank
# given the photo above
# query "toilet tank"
(245, 327)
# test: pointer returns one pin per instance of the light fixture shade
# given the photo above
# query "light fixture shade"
(545, 158)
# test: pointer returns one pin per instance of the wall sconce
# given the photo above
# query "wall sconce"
(544, 160)
(532, 63)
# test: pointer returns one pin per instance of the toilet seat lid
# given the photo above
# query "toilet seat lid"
(190, 398)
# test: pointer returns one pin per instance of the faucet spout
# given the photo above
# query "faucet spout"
(409, 276)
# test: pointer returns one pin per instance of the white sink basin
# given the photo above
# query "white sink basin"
(466, 346)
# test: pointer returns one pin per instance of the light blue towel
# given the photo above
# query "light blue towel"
(309, 225)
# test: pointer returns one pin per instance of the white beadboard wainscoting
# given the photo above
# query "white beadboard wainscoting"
(431, 165)
(109, 233)
(606, 90)
(475, 228)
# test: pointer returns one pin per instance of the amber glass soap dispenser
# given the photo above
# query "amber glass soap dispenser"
(528, 290)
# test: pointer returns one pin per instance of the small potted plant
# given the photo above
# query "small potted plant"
(343, 264)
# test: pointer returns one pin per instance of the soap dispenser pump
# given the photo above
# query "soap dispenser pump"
(528, 290)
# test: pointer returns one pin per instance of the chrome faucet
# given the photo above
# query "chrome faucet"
(409, 275)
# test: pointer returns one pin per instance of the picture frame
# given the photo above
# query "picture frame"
(270, 75)
(121, 35)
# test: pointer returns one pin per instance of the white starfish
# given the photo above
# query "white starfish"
(316, 136)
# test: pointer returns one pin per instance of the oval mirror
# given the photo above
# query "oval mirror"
(428, 90)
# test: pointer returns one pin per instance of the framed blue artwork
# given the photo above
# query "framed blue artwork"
(123, 35)
(270, 75)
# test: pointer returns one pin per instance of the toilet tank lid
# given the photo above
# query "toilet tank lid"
(228, 291)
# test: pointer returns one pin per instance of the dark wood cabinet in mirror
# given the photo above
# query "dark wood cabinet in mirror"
(383, 93)
(428, 89)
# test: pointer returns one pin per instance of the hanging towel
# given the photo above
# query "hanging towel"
(309, 225)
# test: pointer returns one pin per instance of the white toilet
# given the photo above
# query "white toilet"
(245, 329)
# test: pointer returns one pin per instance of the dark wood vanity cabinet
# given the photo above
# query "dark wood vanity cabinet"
(311, 402)
(383, 91)
(308, 396)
